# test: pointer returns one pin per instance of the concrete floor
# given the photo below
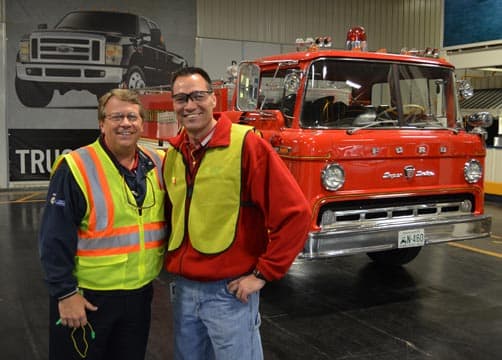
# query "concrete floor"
(446, 304)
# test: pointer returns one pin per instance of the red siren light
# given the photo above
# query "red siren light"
(356, 39)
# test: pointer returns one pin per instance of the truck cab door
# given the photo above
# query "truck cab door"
(152, 52)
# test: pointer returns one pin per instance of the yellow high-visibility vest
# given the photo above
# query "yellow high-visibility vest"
(215, 198)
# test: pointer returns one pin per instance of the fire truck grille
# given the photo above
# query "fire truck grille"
(381, 210)
(67, 49)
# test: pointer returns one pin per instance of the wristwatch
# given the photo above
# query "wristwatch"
(259, 275)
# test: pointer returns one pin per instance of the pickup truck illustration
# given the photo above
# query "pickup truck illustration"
(94, 51)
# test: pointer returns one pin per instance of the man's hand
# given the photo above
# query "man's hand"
(244, 286)
(72, 311)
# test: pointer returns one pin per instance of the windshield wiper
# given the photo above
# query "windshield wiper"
(432, 122)
(371, 124)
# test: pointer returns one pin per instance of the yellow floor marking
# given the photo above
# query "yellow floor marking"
(475, 249)
(28, 197)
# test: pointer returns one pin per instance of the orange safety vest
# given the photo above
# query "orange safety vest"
(119, 246)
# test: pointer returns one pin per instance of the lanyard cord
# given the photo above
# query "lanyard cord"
(83, 353)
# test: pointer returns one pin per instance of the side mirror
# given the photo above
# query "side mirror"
(480, 119)
(156, 36)
(465, 89)
(248, 86)
(479, 122)
(292, 82)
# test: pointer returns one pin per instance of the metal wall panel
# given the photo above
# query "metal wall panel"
(390, 24)
(486, 82)
(4, 151)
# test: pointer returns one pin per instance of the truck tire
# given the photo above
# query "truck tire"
(395, 257)
(33, 94)
(135, 78)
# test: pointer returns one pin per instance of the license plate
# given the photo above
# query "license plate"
(411, 238)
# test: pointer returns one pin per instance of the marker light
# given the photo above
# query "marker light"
(323, 41)
(427, 52)
(311, 44)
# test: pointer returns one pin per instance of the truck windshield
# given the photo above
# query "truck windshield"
(100, 21)
(351, 94)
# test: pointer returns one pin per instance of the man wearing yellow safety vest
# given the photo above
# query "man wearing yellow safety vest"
(238, 219)
(102, 239)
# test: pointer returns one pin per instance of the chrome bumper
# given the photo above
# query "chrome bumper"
(366, 237)
(71, 73)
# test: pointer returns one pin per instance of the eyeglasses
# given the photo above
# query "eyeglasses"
(117, 117)
(131, 201)
(197, 96)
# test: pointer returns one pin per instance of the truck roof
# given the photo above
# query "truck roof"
(334, 53)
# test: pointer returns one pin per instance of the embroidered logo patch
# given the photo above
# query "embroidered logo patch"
(57, 202)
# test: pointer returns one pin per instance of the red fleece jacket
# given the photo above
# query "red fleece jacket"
(270, 234)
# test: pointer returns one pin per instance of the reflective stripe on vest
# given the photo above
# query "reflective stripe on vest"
(127, 240)
(157, 160)
(215, 199)
(98, 196)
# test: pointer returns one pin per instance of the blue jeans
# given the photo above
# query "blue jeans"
(210, 323)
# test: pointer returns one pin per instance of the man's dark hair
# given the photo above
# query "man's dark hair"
(191, 70)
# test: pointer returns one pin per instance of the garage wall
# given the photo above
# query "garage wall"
(485, 80)
(3, 122)
(390, 23)
(226, 29)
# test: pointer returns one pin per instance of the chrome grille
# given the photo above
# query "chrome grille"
(332, 217)
(67, 50)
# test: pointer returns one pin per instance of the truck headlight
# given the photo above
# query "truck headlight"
(333, 177)
(24, 51)
(473, 171)
(113, 54)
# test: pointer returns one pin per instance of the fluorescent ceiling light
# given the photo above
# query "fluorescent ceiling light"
(491, 69)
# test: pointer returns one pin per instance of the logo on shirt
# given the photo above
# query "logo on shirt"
(54, 201)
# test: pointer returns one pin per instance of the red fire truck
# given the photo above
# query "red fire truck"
(375, 140)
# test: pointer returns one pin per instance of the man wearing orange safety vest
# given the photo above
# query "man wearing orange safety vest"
(102, 239)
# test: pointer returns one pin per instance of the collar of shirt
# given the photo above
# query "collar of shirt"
(194, 151)
(198, 144)
(142, 163)
(220, 138)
